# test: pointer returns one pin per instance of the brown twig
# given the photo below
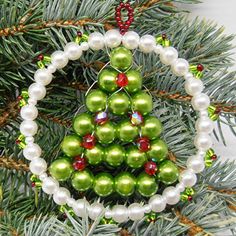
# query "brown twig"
(225, 191)
(13, 164)
(2, 213)
(232, 207)
(11, 112)
(125, 232)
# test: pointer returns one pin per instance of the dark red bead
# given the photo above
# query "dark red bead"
(150, 168)
(200, 67)
(127, 22)
(33, 184)
(190, 198)
(143, 144)
(122, 80)
(79, 163)
(79, 34)
(130, 14)
(126, 26)
(19, 98)
(40, 57)
(118, 8)
(122, 4)
(213, 157)
(131, 19)
(89, 141)
(118, 13)
(218, 110)
(118, 18)
(164, 36)
(127, 5)
(18, 141)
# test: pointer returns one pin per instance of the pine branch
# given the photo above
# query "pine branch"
(12, 164)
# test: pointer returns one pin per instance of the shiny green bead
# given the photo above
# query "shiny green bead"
(151, 128)
(127, 132)
(83, 124)
(103, 184)
(134, 158)
(119, 103)
(61, 169)
(71, 145)
(142, 102)
(125, 184)
(106, 133)
(158, 151)
(82, 180)
(107, 80)
(114, 155)
(135, 81)
(95, 155)
(96, 101)
(168, 172)
(121, 58)
(146, 185)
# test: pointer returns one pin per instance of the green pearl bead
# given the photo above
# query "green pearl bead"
(119, 103)
(135, 81)
(71, 145)
(83, 124)
(168, 172)
(107, 80)
(61, 169)
(96, 101)
(121, 58)
(106, 133)
(114, 155)
(103, 184)
(142, 102)
(158, 151)
(125, 184)
(95, 155)
(126, 132)
(151, 128)
(134, 158)
(146, 185)
(82, 180)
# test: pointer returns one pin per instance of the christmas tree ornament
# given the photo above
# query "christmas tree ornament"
(79, 163)
(89, 141)
(96, 101)
(134, 158)
(126, 132)
(114, 155)
(136, 118)
(107, 80)
(105, 133)
(158, 151)
(142, 102)
(143, 144)
(119, 103)
(82, 180)
(134, 81)
(101, 118)
(103, 184)
(95, 155)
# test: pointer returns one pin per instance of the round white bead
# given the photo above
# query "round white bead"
(43, 176)
(203, 141)
(158, 49)
(32, 101)
(157, 203)
(96, 41)
(200, 102)
(201, 154)
(80, 207)
(28, 128)
(70, 202)
(51, 68)
(193, 86)
(43, 76)
(131, 40)
(108, 214)
(113, 38)
(172, 195)
(73, 51)
(188, 178)
(147, 208)
(37, 91)
(120, 213)
(38, 166)
(135, 211)
(196, 164)
(84, 46)
(96, 209)
(205, 125)
(29, 112)
(180, 187)
(61, 195)
(59, 59)
(50, 185)
(188, 76)
(203, 113)
(169, 55)
(32, 151)
(147, 43)
(180, 67)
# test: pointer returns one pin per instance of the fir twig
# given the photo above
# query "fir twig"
(10, 163)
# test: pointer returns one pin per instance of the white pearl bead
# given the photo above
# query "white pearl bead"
(84, 46)
(80, 207)
(70, 202)
(50, 185)
(95, 210)
(51, 68)
(28, 128)
(203, 113)
(205, 125)
(96, 41)
(73, 51)
(180, 187)
(108, 214)
(169, 55)
(135, 212)
(43, 76)
(193, 86)
(32, 101)
(147, 43)
(120, 213)
(147, 208)
(113, 38)
(203, 141)
(37, 91)
(172, 195)
(201, 154)
(59, 59)
(158, 49)
(180, 67)
(131, 40)
(157, 203)
(200, 102)
(32, 151)
(196, 164)
(61, 195)
(188, 178)
(38, 166)
(43, 176)
(29, 140)
(188, 76)
(29, 112)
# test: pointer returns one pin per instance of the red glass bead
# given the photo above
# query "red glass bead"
(19, 98)
(143, 144)
(17, 141)
(40, 57)
(130, 14)
(128, 22)
(127, 5)
(200, 67)
(101, 118)
(122, 80)
(89, 141)
(118, 8)
(79, 34)
(190, 198)
(79, 163)
(118, 18)
(33, 184)
(150, 168)
(213, 157)
(164, 36)
(122, 4)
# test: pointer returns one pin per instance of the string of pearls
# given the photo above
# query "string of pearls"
(193, 86)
